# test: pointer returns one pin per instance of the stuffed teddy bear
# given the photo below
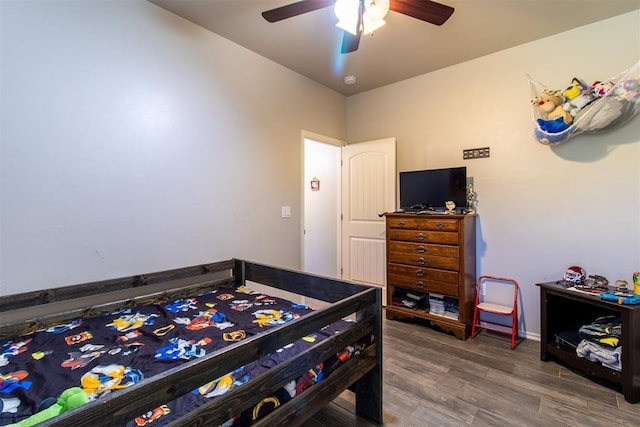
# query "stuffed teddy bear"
(553, 117)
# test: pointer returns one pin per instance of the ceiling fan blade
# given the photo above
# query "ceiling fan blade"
(425, 10)
(350, 42)
(295, 9)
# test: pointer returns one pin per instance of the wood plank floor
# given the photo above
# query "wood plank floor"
(434, 379)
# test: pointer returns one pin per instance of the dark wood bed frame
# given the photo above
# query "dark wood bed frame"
(362, 373)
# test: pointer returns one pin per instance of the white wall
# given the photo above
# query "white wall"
(541, 209)
(135, 141)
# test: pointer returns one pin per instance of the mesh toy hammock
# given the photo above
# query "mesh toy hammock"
(562, 114)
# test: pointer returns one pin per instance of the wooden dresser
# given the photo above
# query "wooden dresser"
(432, 253)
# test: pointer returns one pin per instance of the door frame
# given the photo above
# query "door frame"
(338, 143)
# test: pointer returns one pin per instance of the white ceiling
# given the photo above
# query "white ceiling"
(406, 47)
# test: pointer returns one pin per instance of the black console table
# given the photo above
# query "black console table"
(562, 309)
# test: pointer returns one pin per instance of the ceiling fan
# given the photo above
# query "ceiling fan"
(425, 10)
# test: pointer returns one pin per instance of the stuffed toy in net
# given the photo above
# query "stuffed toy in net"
(602, 105)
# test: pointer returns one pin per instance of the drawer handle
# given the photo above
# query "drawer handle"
(420, 261)
(420, 284)
(401, 223)
(419, 273)
(421, 249)
(440, 225)
(420, 236)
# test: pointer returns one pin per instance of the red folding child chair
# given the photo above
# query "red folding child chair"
(501, 316)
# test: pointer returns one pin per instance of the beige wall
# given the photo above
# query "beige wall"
(135, 141)
(541, 209)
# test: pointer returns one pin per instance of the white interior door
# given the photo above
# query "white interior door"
(368, 190)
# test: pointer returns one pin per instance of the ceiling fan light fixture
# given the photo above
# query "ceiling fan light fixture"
(376, 10)
(373, 16)
(347, 13)
(373, 13)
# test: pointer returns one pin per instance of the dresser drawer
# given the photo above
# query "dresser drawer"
(423, 285)
(424, 273)
(424, 248)
(424, 260)
(424, 223)
(445, 237)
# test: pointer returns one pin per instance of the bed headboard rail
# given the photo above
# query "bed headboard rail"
(46, 296)
(21, 322)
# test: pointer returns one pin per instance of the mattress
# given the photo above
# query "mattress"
(115, 350)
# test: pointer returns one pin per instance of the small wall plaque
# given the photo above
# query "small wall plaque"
(315, 184)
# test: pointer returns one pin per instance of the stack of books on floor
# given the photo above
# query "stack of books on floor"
(443, 305)
(409, 299)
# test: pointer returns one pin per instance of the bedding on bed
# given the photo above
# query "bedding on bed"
(91, 357)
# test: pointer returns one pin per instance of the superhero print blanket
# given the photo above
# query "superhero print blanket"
(99, 355)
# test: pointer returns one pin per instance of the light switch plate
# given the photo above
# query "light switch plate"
(286, 212)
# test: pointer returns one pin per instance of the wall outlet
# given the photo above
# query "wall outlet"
(475, 153)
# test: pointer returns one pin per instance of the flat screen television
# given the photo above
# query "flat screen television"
(430, 189)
